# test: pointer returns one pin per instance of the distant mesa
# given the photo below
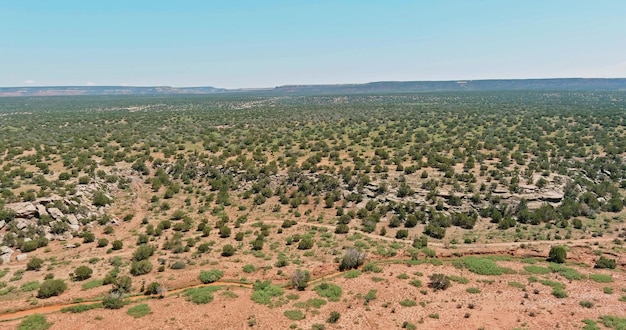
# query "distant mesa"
(555, 84)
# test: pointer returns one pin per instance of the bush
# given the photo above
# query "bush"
(102, 242)
(265, 291)
(100, 199)
(557, 254)
(605, 263)
(51, 288)
(601, 278)
(352, 259)
(123, 284)
(117, 245)
(439, 282)
(210, 276)
(113, 301)
(228, 250)
(88, 237)
(30, 246)
(34, 322)
(199, 296)
(294, 315)
(306, 243)
(333, 317)
(178, 265)
(143, 252)
(300, 279)
(153, 288)
(402, 233)
(82, 273)
(140, 267)
(34, 264)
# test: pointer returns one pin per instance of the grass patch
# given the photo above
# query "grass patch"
(265, 291)
(138, 311)
(432, 261)
(568, 273)
(92, 284)
(4, 272)
(416, 283)
(408, 303)
(30, 286)
(34, 322)
(81, 308)
(590, 325)
(481, 266)
(403, 276)
(330, 291)
(202, 295)
(622, 298)
(315, 303)
(613, 322)
(473, 290)
(552, 284)
(354, 273)
(601, 278)
(371, 267)
(517, 285)
(559, 292)
(537, 270)
(607, 290)
(294, 315)
(458, 279)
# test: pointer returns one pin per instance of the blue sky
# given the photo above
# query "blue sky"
(266, 43)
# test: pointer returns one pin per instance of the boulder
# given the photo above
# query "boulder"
(552, 196)
(55, 213)
(5, 250)
(72, 219)
(41, 210)
(23, 210)
(2, 224)
(6, 258)
(21, 257)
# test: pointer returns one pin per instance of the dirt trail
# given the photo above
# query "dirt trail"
(58, 307)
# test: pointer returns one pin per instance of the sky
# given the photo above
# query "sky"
(267, 43)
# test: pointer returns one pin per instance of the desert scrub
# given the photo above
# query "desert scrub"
(202, 295)
(458, 279)
(517, 285)
(480, 266)
(473, 290)
(354, 273)
(568, 273)
(210, 276)
(330, 291)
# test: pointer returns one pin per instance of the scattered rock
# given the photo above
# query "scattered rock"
(72, 219)
(21, 257)
(70, 246)
(41, 210)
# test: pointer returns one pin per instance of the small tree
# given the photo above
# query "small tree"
(352, 259)
(605, 263)
(557, 254)
(51, 288)
(82, 273)
(439, 282)
(300, 279)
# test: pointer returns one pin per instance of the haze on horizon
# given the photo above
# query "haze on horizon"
(248, 44)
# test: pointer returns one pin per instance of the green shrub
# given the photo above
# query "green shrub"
(34, 322)
(117, 245)
(559, 292)
(586, 304)
(458, 279)
(123, 284)
(439, 282)
(81, 308)
(264, 292)
(139, 311)
(178, 264)
(557, 254)
(294, 315)
(50, 288)
(416, 283)
(370, 295)
(113, 301)
(371, 267)
(143, 252)
(480, 266)
(568, 273)
(354, 273)
(228, 250)
(92, 284)
(29, 246)
(30, 286)
(153, 288)
(210, 276)
(248, 269)
(102, 242)
(613, 322)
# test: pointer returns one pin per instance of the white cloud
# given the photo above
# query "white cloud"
(29, 82)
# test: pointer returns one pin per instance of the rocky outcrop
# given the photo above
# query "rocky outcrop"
(5, 254)
(23, 210)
